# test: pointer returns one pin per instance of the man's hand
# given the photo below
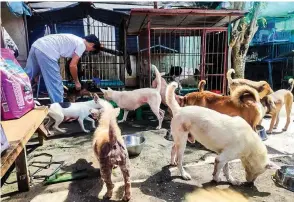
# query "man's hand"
(78, 85)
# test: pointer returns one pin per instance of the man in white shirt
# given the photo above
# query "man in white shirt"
(44, 55)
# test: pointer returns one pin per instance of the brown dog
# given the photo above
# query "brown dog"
(243, 102)
(73, 94)
(110, 150)
(280, 98)
(262, 87)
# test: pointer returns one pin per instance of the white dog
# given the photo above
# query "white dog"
(230, 137)
(131, 100)
(79, 110)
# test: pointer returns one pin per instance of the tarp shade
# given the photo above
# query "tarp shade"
(75, 12)
(19, 8)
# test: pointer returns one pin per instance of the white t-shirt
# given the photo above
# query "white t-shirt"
(60, 45)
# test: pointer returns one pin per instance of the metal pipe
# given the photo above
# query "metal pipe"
(191, 28)
(150, 11)
(148, 52)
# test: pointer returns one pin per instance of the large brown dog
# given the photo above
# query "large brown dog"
(280, 98)
(110, 150)
(262, 87)
(243, 102)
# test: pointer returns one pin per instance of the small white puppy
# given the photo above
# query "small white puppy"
(79, 110)
(131, 100)
(230, 137)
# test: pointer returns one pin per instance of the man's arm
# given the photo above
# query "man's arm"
(73, 67)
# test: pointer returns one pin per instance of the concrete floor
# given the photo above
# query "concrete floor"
(152, 179)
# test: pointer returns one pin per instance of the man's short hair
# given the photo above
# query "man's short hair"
(94, 39)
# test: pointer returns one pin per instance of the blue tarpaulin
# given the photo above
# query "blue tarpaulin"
(19, 8)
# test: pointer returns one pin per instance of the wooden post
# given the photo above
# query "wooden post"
(22, 171)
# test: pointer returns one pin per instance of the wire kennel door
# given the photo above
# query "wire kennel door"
(199, 53)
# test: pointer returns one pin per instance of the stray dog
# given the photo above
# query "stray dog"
(280, 98)
(215, 195)
(110, 150)
(131, 100)
(243, 102)
(163, 92)
(230, 137)
(80, 111)
(72, 94)
(262, 87)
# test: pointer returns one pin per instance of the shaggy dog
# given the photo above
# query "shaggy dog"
(131, 100)
(243, 102)
(215, 195)
(262, 87)
(280, 98)
(110, 150)
(230, 137)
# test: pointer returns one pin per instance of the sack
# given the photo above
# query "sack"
(16, 91)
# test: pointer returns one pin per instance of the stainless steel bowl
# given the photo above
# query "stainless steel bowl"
(261, 132)
(134, 144)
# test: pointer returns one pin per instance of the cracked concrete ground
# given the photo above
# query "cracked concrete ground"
(152, 179)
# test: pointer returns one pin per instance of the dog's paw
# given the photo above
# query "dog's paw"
(86, 131)
(106, 196)
(126, 197)
(235, 182)
(158, 127)
(62, 130)
(173, 164)
(269, 132)
(284, 129)
(216, 179)
(275, 127)
(186, 176)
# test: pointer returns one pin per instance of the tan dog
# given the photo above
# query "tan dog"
(132, 100)
(262, 87)
(243, 102)
(110, 150)
(215, 195)
(230, 137)
(280, 98)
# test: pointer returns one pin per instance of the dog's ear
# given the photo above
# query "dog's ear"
(109, 88)
(103, 90)
(96, 97)
(272, 165)
(116, 111)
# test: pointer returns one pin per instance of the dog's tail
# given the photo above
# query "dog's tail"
(201, 85)
(229, 76)
(170, 97)
(158, 78)
(241, 91)
(291, 82)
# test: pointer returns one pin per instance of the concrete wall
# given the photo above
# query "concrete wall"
(16, 29)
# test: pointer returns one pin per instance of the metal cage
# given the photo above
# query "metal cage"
(187, 45)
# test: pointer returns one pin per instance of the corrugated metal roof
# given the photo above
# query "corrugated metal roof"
(180, 18)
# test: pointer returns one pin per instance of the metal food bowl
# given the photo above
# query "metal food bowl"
(285, 177)
(134, 144)
(261, 132)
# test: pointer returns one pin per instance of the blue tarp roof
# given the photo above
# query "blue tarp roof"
(19, 8)
(74, 12)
